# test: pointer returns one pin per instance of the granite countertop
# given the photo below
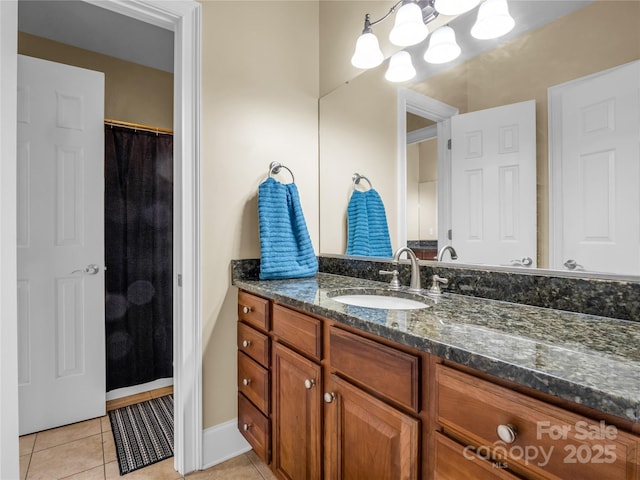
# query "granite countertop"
(589, 360)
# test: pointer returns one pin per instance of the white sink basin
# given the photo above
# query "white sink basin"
(379, 300)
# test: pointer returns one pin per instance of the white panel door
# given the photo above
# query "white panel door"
(596, 148)
(493, 182)
(60, 244)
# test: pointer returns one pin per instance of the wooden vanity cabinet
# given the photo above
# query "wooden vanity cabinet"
(254, 380)
(297, 395)
(525, 436)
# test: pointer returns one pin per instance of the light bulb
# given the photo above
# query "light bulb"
(493, 20)
(442, 46)
(400, 68)
(455, 7)
(409, 28)
(367, 53)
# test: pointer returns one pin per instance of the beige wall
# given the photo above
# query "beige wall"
(260, 104)
(133, 93)
(596, 37)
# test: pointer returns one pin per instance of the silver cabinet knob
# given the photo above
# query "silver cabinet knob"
(246, 426)
(571, 264)
(507, 432)
(246, 382)
(329, 397)
(309, 383)
(246, 309)
(246, 343)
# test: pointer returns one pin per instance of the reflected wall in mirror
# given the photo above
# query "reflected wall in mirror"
(360, 120)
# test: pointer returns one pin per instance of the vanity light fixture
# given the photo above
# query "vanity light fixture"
(493, 20)
(410, 28)
(400, 68)
(442, 46)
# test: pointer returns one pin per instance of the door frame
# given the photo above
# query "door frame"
(184, 19)
(432, 109)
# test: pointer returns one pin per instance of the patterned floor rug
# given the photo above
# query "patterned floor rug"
(143, 433)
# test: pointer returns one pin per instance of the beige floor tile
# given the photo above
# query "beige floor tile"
(26, 443)
(66, 434)
(105, 423)
(108, 447)
(67, 459)
(24, 465)
(238, 468)
(93, 474)
(158, 471)
(264, 470)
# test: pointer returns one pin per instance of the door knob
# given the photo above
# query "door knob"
(90, 269)
(309, 383)
(329, 397)
(507, 432)
(571, 264)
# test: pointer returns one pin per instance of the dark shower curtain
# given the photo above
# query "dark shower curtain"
(138, 250)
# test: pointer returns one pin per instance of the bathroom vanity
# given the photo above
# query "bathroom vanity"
(464, 388)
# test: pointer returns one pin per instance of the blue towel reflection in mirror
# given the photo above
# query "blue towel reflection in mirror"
(286, 250)
(367, 229)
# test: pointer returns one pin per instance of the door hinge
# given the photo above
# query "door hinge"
(450, 234)
(449, 144)
(179, 279)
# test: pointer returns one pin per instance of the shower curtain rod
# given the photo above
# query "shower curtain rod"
(137, 126)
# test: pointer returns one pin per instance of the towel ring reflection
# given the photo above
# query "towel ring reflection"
(274, 168)
(356, 180)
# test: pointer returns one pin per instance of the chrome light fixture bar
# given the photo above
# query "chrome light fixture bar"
(410, 28)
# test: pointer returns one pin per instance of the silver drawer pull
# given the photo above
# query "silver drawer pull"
(309, 383)
(246, 309)
(246, 382)
(246, 427)
(246, 343)
(507, 432)
(329, 397)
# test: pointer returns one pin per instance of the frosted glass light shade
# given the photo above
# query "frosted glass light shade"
(442, 46)
(400, 68)
(455, 7)
(493, 20)
(367, 53)
(409, 28)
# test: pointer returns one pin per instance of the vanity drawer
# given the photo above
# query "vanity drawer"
(253, 310)
(454, 462)
(255, 427)
(254, 344)
(300, 331)
(253, 382)
(549, 442)
(386, 370)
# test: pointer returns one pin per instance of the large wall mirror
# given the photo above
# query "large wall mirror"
(575, 73)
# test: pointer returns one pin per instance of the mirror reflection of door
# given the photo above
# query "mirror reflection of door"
(493, 185)
(595, 152)
(422, 191)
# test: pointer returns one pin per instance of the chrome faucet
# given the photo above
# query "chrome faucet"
(415, 267)
(454, 255)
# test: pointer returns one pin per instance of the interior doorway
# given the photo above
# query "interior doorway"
(183, 18)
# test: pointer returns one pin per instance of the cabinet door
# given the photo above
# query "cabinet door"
(297, 401)
(366, 438)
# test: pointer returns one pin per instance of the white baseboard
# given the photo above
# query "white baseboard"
(222, 442)
(134, 390)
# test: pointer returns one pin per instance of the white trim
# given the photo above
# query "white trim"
(222, 442)
(137, 389)
(422, 134)
(432, 109)
(9, 452)
(184, 18)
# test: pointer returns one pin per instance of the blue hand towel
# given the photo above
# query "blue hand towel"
(367, 229)
(285, 246)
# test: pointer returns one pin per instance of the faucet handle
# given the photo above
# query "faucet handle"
(395, 282)
(435, 286)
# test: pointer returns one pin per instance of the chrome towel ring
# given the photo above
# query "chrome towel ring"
(357, 178)
(275, 167)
